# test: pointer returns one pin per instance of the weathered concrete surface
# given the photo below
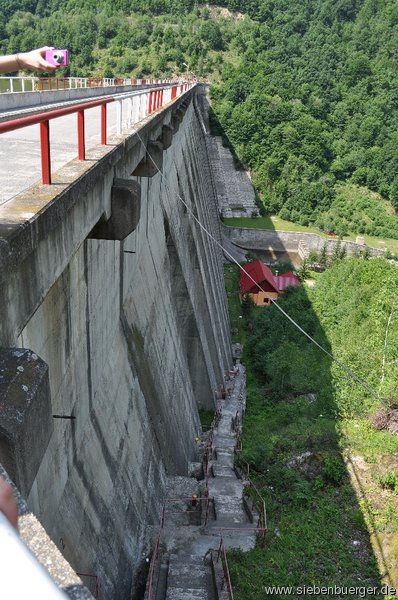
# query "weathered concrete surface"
(125, 211)
(233, 187)
(135, 335)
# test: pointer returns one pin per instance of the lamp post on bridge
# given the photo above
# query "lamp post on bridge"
(189, 71)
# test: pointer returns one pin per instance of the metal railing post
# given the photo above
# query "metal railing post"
(81, 154)
(103, 124)
(131, 109)
(45, 152)
(150, 103)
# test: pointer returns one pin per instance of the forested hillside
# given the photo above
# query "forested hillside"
(314, 102)
(123, 37)
(306, 91)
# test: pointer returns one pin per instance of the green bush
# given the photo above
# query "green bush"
(334, 470)
(389, 481)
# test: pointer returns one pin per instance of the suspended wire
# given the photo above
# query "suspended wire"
(341, 364)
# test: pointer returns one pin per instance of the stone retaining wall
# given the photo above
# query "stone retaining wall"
(284, 241)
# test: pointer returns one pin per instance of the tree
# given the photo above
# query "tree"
(323, 257)
(303, 271)
(313, 259)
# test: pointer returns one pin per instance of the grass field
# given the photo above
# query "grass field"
(270, 223)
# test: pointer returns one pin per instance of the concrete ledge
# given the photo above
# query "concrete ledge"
(180, 112)
(26, 422)
(125, 207)
(176, 119)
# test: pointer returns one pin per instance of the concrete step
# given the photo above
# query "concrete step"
(183, 575)
(225, 450)
(223, 471)
(189, 579)
(232, 519)
(224, 440)
(225, 458)
(187, 594)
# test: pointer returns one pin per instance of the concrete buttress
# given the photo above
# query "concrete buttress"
(125, 212)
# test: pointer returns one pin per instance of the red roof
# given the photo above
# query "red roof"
(264, 278)
(287, 279)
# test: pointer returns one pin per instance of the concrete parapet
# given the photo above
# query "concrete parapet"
(125, 207)
(26, 422)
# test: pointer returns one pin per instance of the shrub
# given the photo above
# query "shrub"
(389, 481)
(334, 470)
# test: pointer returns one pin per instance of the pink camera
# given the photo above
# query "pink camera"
(57, 58)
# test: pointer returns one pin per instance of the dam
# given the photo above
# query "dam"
(114, 332)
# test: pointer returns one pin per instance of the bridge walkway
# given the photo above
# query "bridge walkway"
(20, 155)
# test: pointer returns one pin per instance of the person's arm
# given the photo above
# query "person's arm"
(33, 60)
(7, 503)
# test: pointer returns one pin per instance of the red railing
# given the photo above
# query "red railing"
(44, 119)
(97, 585)
(222, 551)
(252, 490)
(226, 578)
(155, 101)
(155, 555)
(62, 83)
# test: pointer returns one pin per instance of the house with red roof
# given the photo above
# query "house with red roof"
(262, 285)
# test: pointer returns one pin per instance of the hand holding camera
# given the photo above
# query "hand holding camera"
(57, 57)
(44, 59)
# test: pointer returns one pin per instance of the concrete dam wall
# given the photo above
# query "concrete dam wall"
(128, 337)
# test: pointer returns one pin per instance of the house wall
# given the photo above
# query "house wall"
(259, 298)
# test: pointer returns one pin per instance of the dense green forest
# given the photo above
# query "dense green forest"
(121, 38)
(305, 92)
(313, 102)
